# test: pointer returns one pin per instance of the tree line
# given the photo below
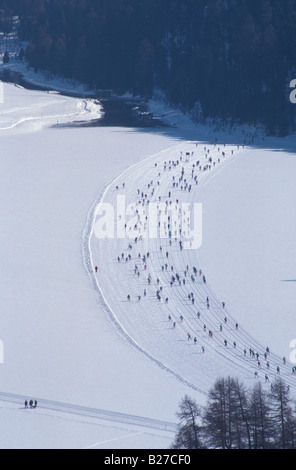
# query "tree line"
(230, 59)
(236, 417)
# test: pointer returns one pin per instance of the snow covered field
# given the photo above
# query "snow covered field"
(58, 343)
(35, 110)
(61, 343)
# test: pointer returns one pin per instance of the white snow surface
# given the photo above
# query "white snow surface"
(32, 111)
(108, 373)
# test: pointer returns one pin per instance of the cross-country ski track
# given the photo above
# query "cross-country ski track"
(54, 406)
(147, 322)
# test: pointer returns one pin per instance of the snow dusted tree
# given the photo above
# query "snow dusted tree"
(189, 432)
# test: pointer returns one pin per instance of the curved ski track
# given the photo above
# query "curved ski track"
(145, 324)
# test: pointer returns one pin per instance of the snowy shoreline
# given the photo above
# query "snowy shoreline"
(45, 111)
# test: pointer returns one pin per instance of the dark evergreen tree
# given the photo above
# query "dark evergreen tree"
(282, 416)
(22, 54)
(189, 432)
(237, 418)
(217, 418)
(260, 419)
(6, 58)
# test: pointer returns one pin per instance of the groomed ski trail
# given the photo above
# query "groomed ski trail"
(87, 412)
(145, 324)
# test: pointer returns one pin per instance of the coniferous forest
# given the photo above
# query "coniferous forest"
(236, 417)
(230, 59)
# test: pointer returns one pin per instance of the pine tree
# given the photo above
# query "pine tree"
(237, 418)
(217, 424)
(260, 420)
(189, 433)
(281, 415)
(21, 54)
(227, 416)
(242, 414)
(6, 58)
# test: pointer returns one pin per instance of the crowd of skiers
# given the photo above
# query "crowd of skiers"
(182, 179)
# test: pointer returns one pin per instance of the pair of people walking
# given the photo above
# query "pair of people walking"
(30, 404)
